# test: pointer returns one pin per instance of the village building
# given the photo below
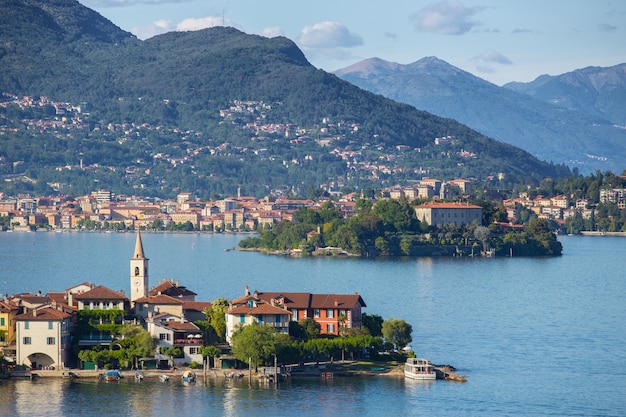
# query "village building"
(44, 337)
(456, 214)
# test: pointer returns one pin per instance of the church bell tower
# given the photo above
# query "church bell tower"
(138, 272)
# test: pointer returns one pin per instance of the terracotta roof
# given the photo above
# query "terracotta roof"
(196, 305)
(171, 289)
(44, 314)
(336, 301)
(159, 299)
(181, 326)
(262, 308)
(5, 306)
(303, 300)
(100, 293)
(292, 299)
(242, 300)
(59, 297)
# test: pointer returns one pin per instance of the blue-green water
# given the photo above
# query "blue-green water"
(535, 337)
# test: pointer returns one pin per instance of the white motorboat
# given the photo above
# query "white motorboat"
(420, 369)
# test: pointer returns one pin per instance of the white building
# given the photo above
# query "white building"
(172, 331)
(249, 309)
(43, 337)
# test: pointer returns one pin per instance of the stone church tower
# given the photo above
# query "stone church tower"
(138, 272)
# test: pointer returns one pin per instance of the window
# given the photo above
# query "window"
(26, 325)
(316, 313)
(26, 341)
(193, 350)
(162, 336)
(50, 341)
(330, 313)
(50, 325)
(1, 321)
(330, 328)
(242, 318)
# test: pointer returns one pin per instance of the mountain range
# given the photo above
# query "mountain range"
(209, 112)
(576, 118)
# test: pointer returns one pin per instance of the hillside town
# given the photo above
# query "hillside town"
(48, 331)
(44, 117)
(103, 210)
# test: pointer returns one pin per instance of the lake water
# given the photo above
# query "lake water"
(534, 336)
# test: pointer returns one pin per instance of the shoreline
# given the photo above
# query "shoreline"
(347, 369)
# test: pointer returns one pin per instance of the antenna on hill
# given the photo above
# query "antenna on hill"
(223, 19)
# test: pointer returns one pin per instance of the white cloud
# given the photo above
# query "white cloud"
(493, 57)
(272, 32)
(152, 29)
(446, 18)
(328, 35)
(191, 24)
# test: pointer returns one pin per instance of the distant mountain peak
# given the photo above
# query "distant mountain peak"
(369, 67)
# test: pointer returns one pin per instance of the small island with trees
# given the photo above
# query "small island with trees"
(390, 227)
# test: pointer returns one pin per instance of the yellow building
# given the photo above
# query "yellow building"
(7, 324)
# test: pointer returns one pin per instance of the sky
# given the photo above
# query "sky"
(497, 40)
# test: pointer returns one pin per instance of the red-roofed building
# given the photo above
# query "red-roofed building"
(249, 309)
(173, 289)
(43, 337)
(101, 298)
(331, 311)
(153, 305)
(457, 214)
(173, 331)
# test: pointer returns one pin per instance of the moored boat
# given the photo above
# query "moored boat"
(420, 369)
(113, 375)
(189, 376)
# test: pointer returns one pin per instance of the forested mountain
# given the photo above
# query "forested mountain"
(207, 112)
(574, 135)
(593, 90)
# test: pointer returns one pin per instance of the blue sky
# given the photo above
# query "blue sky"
(498, 40)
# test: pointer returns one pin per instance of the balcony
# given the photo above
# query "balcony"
(188, 339)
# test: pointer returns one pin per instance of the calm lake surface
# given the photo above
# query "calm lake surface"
(535, 337)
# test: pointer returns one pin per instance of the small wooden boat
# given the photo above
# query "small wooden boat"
(189, 376)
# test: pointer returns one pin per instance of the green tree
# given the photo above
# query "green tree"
(382, 245)
(254, 343)
(311, 328)
(209, 352)
(398, 332)
(216, 316)
(373, 323)
(172, 352)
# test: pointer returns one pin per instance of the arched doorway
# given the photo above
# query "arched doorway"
(40, 361)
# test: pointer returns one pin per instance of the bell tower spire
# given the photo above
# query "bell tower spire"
(138, 271)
